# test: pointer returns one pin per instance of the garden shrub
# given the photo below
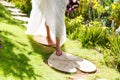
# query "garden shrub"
(93, 34)
(115, 13)
(72, 26)
(112, 54)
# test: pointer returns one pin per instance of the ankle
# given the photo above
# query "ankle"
(58, 49)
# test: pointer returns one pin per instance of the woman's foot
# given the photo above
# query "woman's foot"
(50, 42)
(58, 52)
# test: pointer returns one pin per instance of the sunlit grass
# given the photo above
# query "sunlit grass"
(22, 58)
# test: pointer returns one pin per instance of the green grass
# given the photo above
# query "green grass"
(21, 58)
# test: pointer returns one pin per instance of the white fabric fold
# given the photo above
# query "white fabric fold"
(52, 12)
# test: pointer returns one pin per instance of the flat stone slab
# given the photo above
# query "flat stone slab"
(70, 63)
(13, 9)
(42, 40)
(18, 14)
(25, 19)
(7, 4)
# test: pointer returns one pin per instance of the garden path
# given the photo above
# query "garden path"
(16, 13)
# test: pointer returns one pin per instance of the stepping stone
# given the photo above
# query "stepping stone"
(86, 66)
(70, 63)
(18, 14)
(61, 63)
(6, 4)
(13, 9)
(42, 40)
(25, 19)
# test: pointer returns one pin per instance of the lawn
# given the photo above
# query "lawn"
(21, 58)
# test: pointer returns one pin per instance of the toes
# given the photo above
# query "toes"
(58, 53)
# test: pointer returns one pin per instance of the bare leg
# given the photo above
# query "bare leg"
(58, 48)
(50, 42)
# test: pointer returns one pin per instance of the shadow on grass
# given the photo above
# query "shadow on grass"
(12, 63)
(11, 20)
(44, 51)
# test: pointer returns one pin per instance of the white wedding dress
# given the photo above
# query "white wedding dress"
(52, 12)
